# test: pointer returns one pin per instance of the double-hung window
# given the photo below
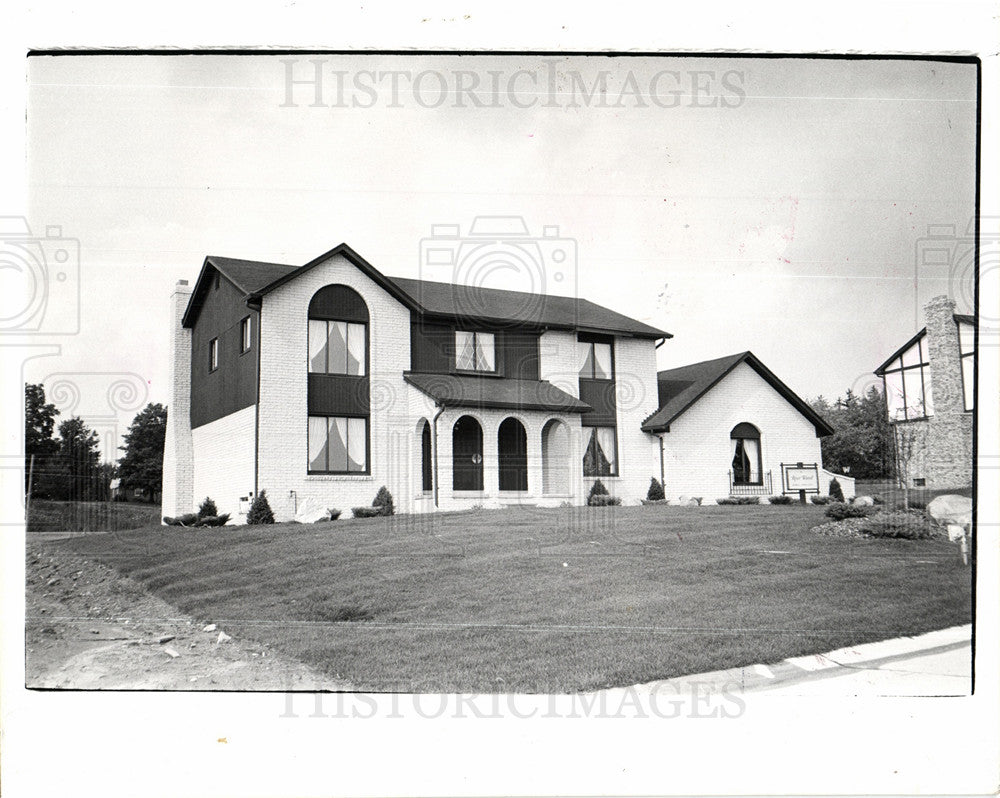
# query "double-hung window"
(213, 354)
(596, 359)
(245, 335)
(475, 351)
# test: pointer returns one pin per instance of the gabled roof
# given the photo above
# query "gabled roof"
(959, 317)
(467, 390)
(482, 305)
(681, 387)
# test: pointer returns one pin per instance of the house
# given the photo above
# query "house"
(930, 398)
(727, 426)
(322, 382)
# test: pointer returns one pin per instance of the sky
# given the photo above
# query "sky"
(777, 205)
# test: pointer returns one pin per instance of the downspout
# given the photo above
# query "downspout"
(254, 303)
(434, 449)
(663, 482)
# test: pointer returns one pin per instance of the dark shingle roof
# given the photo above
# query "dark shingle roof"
(681, 387)
(485, 305)
(463, 390)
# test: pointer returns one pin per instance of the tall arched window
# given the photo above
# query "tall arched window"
(745, 448)
(338, 389)
(512, 452)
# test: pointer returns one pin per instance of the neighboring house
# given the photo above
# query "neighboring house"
(930, 399)
(727, 425)
(323, 382)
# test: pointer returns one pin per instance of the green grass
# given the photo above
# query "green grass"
(482, 601)
(53, 516)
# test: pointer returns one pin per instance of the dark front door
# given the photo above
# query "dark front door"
(512, 445)
(467, 454)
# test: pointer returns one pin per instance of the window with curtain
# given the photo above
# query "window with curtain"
(600, 457)
(745, 449)
(596, 361)
(337, 347)
(475, 351)
(908, 384)
(967, 351)
(338, 445)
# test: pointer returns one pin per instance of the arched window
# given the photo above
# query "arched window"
(746, 462)
(426, 461)
(555, 457)
(338, 390)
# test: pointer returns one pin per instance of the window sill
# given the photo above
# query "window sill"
(470, 494)
(339, 478)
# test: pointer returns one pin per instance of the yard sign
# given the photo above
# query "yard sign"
(801, 478)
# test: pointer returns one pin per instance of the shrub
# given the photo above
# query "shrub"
(820, 500)
(260, 510)
(383, 500)
(207, 509)
(782, 499)
(836, 492)
(918, 504)
(213, 520)
(188, 519)
(655, 492)
(899, 525)
(597, 489)
(366, 512)
(839, 511)
(726, 500)
(333, 512)
(603, 500)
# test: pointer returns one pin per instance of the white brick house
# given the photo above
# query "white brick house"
(323, 382)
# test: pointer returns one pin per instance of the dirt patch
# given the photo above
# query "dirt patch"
(88, 627)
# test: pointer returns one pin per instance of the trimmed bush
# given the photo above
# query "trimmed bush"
(838, 511)
(655, 492)
(213, 520)
(597, 489)
(782, 499)
(383, 500)
(738, 500)
(603, 500)
(367, 512)
(207, 509)
(898, 525)
(820, 500)
(260, 510)
(836, 492)
(188, 519)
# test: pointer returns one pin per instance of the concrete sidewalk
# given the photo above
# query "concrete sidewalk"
(933, 664)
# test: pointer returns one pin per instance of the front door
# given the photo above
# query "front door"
(467, 454)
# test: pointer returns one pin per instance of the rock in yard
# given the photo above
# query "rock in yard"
(165, 639)
(210, 628)
(222, 638)
(863, 501)
(951, 510)
(170, 652)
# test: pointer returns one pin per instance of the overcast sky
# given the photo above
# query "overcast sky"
(771, 205)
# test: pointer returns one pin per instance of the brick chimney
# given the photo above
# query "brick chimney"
(178, 449)
(949, 439)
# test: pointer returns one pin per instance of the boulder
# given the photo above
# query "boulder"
(687, 501)
(863, 501)
(310, 511)
(951, 510)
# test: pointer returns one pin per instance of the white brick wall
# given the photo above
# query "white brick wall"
(223, 462)
(283, 449)
(698, 454)
(178, 455)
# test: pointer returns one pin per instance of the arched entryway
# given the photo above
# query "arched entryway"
(555, 458)
(512, 453)
(467, 454)
(746, 462)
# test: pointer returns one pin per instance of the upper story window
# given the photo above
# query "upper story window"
(908, 384)
(596, 359)
(213, 354)
(245, 335)
(338, 332)
(967, 351)
(475, 351)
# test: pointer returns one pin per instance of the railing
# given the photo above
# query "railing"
(756, 485)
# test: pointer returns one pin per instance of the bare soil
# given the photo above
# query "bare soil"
(88, 627)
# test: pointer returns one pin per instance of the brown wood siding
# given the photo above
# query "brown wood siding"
(600, 395)
(233, 385)
(338, 395)
(432, 349)
(520, 354)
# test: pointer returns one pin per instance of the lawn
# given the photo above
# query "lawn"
(54, 516)
(546, 600)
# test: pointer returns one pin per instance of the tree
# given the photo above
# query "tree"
(142, 464)
(260, 510)
(39, 424)
(78, 461)
(861, 445)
